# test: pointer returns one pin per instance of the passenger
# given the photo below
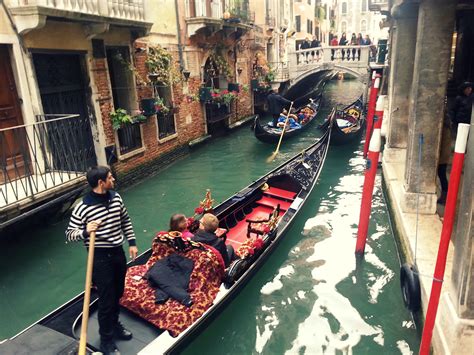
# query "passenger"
(206, 235)
(291, 121)
(179, 223)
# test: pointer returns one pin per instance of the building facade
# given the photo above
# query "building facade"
(418, 86)
(129, 84)
(354, 16)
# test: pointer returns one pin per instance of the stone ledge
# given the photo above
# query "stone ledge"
(429, 232)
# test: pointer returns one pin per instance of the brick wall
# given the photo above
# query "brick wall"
(190, 120)
(190, 123)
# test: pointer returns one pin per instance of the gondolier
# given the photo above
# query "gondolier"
(276, 103)
(103, 211)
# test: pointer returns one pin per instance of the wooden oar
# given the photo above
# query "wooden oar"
(275, 153)
(87, 295)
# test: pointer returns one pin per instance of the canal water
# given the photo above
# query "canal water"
(311, 296)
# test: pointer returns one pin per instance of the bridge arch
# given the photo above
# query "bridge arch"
(361, 74)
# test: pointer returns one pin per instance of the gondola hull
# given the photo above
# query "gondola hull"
(296, 176)
(268, 134)
(338, 135)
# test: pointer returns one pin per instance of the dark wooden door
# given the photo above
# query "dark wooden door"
(13, 149)
(63, 89)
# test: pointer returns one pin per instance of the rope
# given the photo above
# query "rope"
(420, 148)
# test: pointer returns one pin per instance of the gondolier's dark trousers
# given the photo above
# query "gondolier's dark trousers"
(276, 116)
(110, 267)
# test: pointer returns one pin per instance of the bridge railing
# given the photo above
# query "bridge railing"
(349, 56)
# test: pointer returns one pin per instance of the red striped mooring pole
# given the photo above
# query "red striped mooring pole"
(378, 117)
(449, 215)
(370, 111)
(369, 179)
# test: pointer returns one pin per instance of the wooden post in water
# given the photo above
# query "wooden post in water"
(366, 204)
(448, 222)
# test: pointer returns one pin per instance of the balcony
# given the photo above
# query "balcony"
(217, 14)
(31, 14)
(378, 5)
(42, 161)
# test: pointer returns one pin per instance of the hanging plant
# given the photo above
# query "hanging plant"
(140, 80)
(220, 62)
(160, 66)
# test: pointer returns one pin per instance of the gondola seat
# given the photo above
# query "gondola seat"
(204, 285)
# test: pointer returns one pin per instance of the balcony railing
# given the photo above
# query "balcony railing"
(238, 10)
(270, 21)
(42, 156)
(119, 9)
(378, 5)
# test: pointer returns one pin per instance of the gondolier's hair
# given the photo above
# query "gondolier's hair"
(97, 173)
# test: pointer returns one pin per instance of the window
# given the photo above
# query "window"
(363, 26)
(363, 6)
(165, 122)
(122, 83)
(309, 26)
(298, 23)
(343, 26)
(344, 8)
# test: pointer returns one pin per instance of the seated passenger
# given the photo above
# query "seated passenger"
(206, 235)
(179, 223)
(291, 121)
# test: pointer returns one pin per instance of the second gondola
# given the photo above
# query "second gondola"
(349, 123)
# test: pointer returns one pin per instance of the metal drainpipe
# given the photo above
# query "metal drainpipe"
(180, 46)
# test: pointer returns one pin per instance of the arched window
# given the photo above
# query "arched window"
(343, 26)
(363, 26)
(344, 8)
(363, 6)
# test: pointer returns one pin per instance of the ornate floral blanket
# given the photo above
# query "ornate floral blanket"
(173, 316)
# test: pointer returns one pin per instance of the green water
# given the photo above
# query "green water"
(308, 298)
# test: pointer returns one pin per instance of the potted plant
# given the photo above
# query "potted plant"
(233, 87)
(148, 106)
(160, 106)
(119, 118)
(205, 94)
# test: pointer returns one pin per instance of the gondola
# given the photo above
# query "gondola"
(271, 202)
(349, 123)
(269, 134)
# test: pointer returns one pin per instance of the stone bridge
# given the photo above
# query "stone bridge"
(302, 64)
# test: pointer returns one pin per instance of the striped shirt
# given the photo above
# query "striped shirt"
(115, 223)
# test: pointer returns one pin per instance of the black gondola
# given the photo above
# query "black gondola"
(348, 124)
(278, 196)
(269, 134)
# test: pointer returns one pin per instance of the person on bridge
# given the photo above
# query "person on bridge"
(343, 42)
(315, 44)
(306, 45)
(360, 42)
(334, 43)
(102, 211)
(353, 43)
(276, 103)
